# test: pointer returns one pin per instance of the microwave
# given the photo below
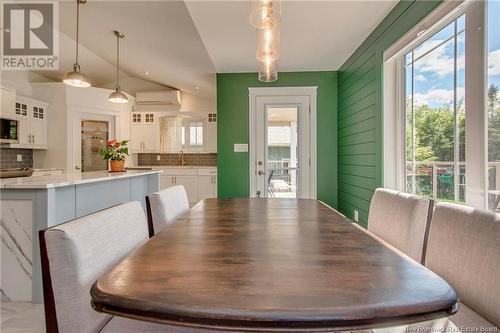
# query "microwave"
(9, 130)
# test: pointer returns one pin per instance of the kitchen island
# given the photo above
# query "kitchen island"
(29, 204)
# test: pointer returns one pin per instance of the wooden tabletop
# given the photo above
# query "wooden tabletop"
(270, 265)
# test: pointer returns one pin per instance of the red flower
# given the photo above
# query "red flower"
(117, 144)
(111, 143)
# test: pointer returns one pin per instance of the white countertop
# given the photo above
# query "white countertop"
(41, 182)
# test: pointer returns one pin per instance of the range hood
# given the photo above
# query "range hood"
(169, 97)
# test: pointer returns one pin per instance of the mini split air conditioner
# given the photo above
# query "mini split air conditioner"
(169, 97)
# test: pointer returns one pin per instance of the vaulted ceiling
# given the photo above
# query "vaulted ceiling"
(182, 44)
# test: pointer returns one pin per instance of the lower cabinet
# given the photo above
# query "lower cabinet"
(199, 183)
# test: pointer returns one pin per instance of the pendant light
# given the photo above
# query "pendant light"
(76, 78)
(268, 71)
(264, 14)
(268, 43)
(118, 96)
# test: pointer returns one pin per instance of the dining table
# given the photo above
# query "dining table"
(270, 265)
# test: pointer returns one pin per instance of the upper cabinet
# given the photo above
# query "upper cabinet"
(7, 98)
(31, 115)
(144, 132)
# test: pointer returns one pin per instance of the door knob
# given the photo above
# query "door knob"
(261, 173)
(77, 167)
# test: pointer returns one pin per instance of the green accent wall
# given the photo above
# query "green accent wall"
(360, 124)
(233, 127)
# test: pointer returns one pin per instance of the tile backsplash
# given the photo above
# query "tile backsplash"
(196, 159)
(8, 158)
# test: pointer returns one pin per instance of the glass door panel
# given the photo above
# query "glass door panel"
(282, 151)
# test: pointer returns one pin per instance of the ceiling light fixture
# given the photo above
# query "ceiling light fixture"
(264, 14)
(76, 78)
(118, 96)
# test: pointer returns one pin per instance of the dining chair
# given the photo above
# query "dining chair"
(75, 254)
(401, 220)
(464, 249)
(165, 206)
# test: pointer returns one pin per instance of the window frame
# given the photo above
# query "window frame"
(394, 117)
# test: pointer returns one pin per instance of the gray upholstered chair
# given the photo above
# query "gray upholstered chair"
(464, 248)
(401, 220)
(165, 206)
(75, 254)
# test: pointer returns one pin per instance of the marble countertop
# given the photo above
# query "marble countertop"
(43, 182)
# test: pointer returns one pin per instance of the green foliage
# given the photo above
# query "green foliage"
(115, 150)
(434, 132)
(493, 124)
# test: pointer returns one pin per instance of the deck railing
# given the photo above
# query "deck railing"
(438, 180)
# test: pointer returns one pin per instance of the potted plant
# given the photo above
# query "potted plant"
(115, 152)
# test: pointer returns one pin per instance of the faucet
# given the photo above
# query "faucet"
(181, 155)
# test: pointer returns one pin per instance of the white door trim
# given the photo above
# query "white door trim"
(310, 92)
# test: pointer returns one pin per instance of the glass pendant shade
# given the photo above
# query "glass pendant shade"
(268, 71)
(264, 14)
(268, 44)
(118, 96)
(76, 78)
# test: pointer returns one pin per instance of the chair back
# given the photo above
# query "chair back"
(464, 249)
(165, 206)
(75, 254)
(401, 220)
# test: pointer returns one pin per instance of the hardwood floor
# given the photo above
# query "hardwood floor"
(22, 317)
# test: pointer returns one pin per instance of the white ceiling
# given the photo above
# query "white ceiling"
(315, 35)
(182, 44)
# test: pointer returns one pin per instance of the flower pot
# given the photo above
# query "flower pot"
(117, 166)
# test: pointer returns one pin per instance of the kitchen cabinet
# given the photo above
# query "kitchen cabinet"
(8, 99)
(199, 183)
(144, 133)
(32, 117)
(207, 183)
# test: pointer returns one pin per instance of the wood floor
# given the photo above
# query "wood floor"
(22, 317)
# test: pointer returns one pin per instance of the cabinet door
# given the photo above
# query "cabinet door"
(135, 138)
(205, 187)
(150, 137)
(190, 184)
(166, 182)
(7, 98)
(24, 129)
(38, 133)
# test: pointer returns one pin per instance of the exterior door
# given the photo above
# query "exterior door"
(281, 147)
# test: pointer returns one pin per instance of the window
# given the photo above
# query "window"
(196, 134)
(435, 115)
(441, 137)
(493, 103)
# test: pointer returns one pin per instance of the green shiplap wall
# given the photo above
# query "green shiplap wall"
(360, 124)
(233, 127)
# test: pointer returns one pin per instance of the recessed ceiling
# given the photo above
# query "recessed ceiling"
(315, 35)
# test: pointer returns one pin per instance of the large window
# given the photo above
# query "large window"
(442, 106)
(435, 114)
(493, 104)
